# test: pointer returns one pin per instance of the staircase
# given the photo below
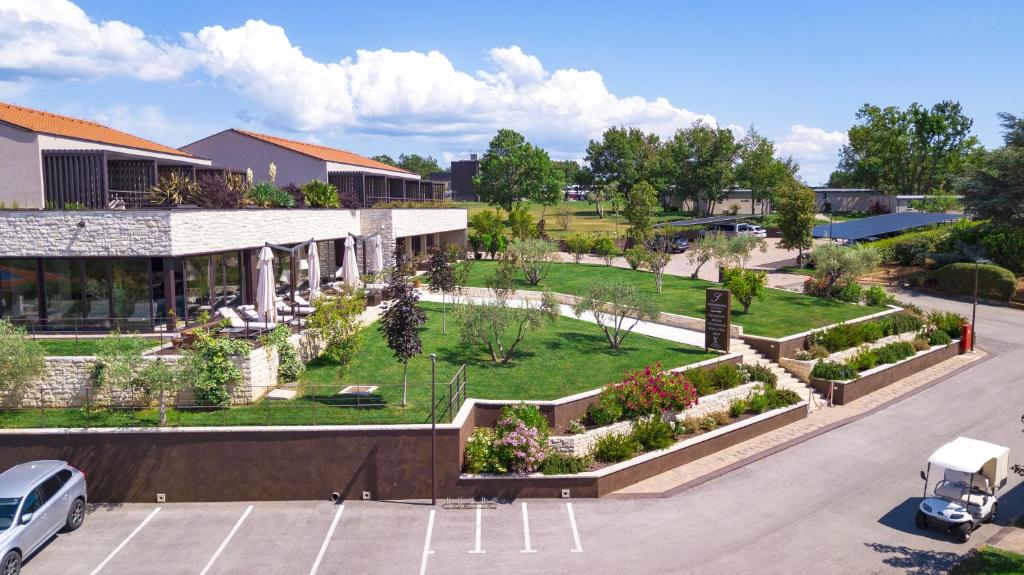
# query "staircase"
(786, 379)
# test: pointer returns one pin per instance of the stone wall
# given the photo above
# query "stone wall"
(379, 221)
(91, 233)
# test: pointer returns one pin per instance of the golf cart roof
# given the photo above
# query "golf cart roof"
(970, 456)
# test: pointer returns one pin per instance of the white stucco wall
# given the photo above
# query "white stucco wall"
(236, 151)
(413, 222)
(21, 173)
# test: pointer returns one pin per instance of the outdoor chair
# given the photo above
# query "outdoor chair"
(239, 326)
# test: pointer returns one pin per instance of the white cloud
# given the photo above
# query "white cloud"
(151, 122)
(816, 149)
(55, 38)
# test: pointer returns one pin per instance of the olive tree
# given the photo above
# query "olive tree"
(738, 249)
(499, 327)
(616, 306)
(441, 278)
(710, 246)
(534, 257)
(120, 364)
(836, 265)
(22, 360)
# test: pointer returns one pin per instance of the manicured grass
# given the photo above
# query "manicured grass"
(797, 270)
(780, 313)
(71, 346)
(991, 561)
(567, 357)
(584, 217)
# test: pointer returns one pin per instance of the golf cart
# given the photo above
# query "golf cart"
(965, 497)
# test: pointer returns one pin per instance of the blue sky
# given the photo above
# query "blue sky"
(440, 78)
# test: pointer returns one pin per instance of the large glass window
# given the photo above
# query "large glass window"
(325, 253)
(96, 307)
(197, 285)
(130, 291)
(63, 278)
(19, 298)
(282, 272)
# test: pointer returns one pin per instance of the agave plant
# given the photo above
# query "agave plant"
(173, 189)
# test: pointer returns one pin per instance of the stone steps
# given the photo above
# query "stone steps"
(786, 380)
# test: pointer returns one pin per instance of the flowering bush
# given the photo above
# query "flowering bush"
(520, 449)
(517, 444)
(651, 391)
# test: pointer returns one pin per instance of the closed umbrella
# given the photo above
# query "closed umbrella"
(265, 286)
(350, 271)
(376, 254)
(314, 270)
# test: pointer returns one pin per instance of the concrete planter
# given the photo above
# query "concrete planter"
(778, 348)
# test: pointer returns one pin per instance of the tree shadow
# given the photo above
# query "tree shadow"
(916, 561)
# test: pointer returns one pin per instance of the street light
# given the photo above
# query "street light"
(974, 306)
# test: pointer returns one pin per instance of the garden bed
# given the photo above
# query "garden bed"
(868, 381)
(777, 348)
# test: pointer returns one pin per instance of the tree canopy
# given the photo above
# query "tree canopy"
(760, 170)
(625, 157)
(699, 163)
(795, 206)
(910, 151)
(513, 170)
(993, 187)
(415, 163)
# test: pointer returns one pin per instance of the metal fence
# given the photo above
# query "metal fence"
(337, 404)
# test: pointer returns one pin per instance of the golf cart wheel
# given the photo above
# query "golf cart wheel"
(963, 532)
(921, 520)
(992, 516)
(11, 564)
(76, 515)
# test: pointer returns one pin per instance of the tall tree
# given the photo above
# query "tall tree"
(699, 163)
(993, 187)
(570, 171)
(795, 207)
(513, 170)
(639, 212)
(1013, 129)
(625, 156)
(385, 159)
(760, 170)
(910, 151)
(400, 323)
(417, 164)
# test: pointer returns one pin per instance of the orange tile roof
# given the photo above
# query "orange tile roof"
(323, 152)
(57, 125)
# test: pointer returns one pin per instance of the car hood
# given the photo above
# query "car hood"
(942, 507)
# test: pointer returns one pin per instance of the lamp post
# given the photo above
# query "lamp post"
(974, 305)
(433, 429)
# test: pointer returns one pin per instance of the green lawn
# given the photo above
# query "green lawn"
(71, 346)
(567, 357)
(991, 561)
(780, 313)
(584, 217)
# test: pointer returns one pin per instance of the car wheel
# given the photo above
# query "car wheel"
(992, 516)
(921, 520)
(11, 565)
(963, 532)
(76, 515)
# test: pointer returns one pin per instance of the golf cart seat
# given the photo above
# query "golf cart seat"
(960, 492)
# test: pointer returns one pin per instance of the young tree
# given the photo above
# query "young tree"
(604, 247)
(601, 194)
(639, 212)
(578, 245)
(745, 285)
(119, 364)
(708, 247)
(400, 323)
(835, 265)
(534, 257)
(335, 321)
(617, 307)
(795, 207)
(160, 378)
(657, 258)
(499, 327)
(441, 278)
(22, 360)
(521, 222)
(513, 170)
(739, 248)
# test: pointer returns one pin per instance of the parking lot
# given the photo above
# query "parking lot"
(318, 537)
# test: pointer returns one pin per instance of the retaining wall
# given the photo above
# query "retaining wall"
(777, 348)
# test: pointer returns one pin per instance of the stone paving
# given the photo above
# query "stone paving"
(819, 419)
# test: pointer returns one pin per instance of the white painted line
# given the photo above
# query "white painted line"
(227, 540)
(575, 532)
(526, 532)
(125, 542)
(477, 549)
(327, 540)
(427, 551)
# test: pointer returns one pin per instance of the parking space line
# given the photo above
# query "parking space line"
(477, 549)
(227, 540)
(427, 551)
(125, 542)
(526, 532)
(575, 532)
(327, 540)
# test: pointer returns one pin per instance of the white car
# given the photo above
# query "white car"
(965, 497)
(736, 229)
(37, 499)
(756, 230)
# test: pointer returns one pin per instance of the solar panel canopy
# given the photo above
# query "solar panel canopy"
(880, 225)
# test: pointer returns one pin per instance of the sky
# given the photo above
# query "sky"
(441, 78)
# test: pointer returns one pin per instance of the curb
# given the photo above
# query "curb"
(795, 441)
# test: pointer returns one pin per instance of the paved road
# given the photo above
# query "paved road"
(842, 502)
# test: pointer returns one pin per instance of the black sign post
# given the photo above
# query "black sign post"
(717, 319)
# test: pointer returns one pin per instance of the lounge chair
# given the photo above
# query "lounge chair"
(239, 326)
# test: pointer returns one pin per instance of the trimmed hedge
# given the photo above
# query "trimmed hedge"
(994, 282)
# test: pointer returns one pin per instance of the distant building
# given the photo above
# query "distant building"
(862, 200)
(462, 173)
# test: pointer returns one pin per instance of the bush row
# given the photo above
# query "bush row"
(867, 358)
(847, 335)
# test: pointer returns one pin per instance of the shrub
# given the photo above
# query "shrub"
(994, 282)
(898, 323)
(721, 377)
(560, 464)
(745, 285)
(819, 352)
(738, 407)
(870, 331)
(651, 391)
(520, 448)
(921, 344)
(219, 192)
(849, 292)
(481, 455)
(947, 321)
(803, 355)
(289, 366)
(865, 359)
(721, 417)
(604, 412)
(604, 247)
(207, 364)
(833, 370)
(22, 360)
(521, 222)
(758, 372)
(1004, 244)
(616, 447)
(653, 432)
(267, 195)
(575, 427)
(758, 403)
(778, 398)
(528, 414)
(319, 194)
(708, 423)
(578, 245)
(635, 256)
(939, 337)
(296, 193)
(876, 295)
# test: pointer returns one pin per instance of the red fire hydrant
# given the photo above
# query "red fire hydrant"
(966, 338)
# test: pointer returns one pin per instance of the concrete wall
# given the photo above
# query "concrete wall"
(427, 221)
(21, 172)
(48, 142)
(229, 149)
(197, 231)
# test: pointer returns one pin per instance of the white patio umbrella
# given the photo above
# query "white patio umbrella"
(376, 254)
(314, 270)
(350, 267)
(265, 286)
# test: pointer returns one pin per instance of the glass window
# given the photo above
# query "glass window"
(8, 507)
(32, 503)
(131, 292)
(19, 299)
(282, 272)
(197, 284)
(50, 487)
(233, 284)
(63, 279)
(96, 307)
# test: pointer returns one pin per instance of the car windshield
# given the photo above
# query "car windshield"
(8, 507)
